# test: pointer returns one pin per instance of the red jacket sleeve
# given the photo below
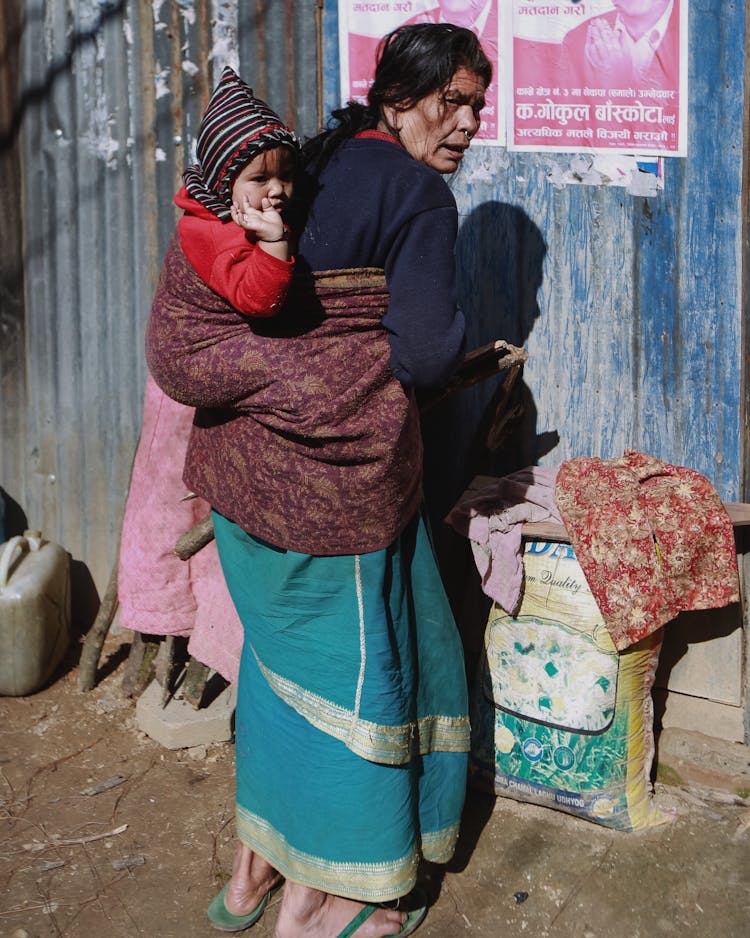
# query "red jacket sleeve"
(222, 255)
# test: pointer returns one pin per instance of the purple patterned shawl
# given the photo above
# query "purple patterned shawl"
(302, 434)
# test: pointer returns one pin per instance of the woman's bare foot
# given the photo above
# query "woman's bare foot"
(252, 877)
(313, 914)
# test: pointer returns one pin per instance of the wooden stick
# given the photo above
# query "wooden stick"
(165, 667)
(479, 364)
(193, 540)
(140, 664)
(194, 684)
(75, 841)
(94, 641)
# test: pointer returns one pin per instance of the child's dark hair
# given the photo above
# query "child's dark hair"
(413, 62)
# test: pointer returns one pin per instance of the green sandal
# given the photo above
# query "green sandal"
(222, 919)
(413, 920)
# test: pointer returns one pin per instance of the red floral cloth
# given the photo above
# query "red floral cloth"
(653, 540)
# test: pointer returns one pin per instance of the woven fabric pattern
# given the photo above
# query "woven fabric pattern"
(303, 436)
(653, 540)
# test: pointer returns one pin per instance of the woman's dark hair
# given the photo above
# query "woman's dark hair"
(413, 62)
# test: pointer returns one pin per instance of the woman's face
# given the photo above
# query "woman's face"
(437, 129)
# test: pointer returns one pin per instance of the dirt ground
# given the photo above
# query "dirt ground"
(105, 834)
(139, 858)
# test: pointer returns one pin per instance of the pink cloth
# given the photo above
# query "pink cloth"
(491, 514)
(160, 594)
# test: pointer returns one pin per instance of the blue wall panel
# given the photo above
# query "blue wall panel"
(633, 314)
(630, 306)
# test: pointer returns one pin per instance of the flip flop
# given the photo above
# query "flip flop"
(413, 920)
(223, 920)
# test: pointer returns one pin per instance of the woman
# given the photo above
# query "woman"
(351, 726)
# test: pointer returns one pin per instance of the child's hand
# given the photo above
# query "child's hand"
(266, 224)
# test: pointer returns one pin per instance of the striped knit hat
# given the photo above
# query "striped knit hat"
(235, 128)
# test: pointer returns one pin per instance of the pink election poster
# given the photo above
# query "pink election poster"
(363, 24)
(606, 75)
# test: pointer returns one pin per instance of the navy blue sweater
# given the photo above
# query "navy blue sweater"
(376, 206)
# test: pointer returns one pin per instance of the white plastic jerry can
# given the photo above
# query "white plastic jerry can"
(34, 612)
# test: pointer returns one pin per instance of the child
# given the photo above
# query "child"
(233, 232)
(233, 236)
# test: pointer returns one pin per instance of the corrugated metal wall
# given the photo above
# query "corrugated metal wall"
(631, 308)
(12, 325)
(102, 122)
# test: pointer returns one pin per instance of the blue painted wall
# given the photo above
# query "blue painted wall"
(630, 307)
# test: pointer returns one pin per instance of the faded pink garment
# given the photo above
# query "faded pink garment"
(160, 594)
(491, 514)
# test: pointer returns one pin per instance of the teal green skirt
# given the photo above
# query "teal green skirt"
(351, 721)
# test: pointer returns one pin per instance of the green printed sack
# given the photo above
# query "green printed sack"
(559, 717)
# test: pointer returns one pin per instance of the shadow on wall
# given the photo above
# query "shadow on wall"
(61, 65)
(500, 256)
(688, 629)
(13, 520)
(83, 592)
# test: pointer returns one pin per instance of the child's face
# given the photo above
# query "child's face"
(269, 176)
